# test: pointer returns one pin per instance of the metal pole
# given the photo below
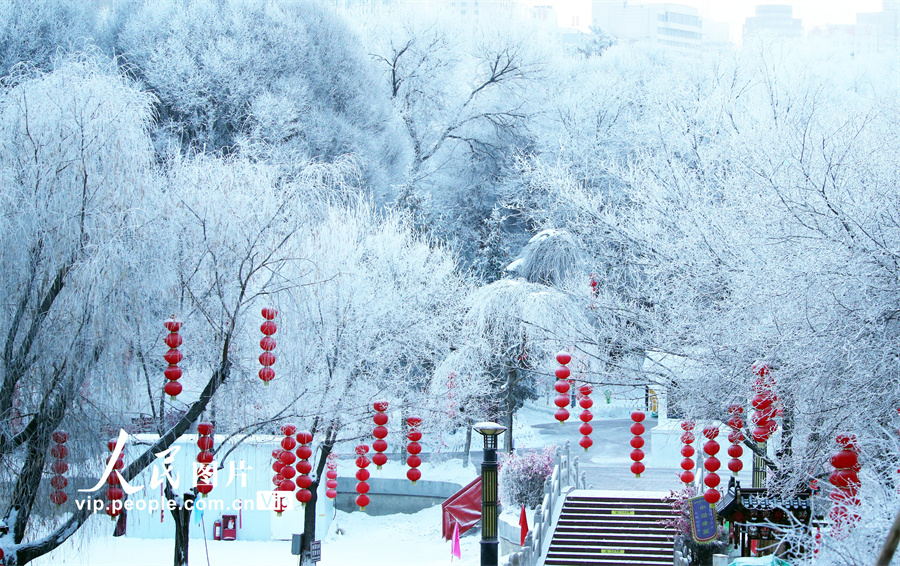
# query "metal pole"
(489, 540)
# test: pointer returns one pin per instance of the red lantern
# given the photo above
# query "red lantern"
(380, 432)
(712, 464)
(332, 475)
(362, 487)
(414, 448)
(288, 443)
(173, 357)
(562, 386)
(845, 480)
(59, 452)
(114, 493)
(267, 358)
(585, 402)
(735, 437)
(687, 476)
(205, 457)
(764, 403)
(637, 454)
(304, 438)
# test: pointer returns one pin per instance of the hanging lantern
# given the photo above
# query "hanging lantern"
(687, 439)
(585, 402)
(173, 357)
(267, 358)
(712, 464)
(205, 457)
(414, 448)
(332, 475)
(304, 452)
(58, 482)
(736, 423)
(380, 433)
(845, 479)
(763, 402)
(113, 492)
(362, 488)
(637, 429)
(562, 387)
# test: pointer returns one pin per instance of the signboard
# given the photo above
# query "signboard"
(622, 512)
(703, 520)
(315, 550)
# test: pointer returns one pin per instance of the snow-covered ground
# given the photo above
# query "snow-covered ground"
(353, 538)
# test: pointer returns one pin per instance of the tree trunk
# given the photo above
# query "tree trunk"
(509, 409)
(309, 513)
(468, 445)
(182, 518)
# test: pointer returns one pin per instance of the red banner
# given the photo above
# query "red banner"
(462, 508)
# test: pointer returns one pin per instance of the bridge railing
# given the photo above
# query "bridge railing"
(565, 477)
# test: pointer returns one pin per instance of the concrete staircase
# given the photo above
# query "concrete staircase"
(599, 530)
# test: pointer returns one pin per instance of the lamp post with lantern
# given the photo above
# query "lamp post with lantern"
(490, 541)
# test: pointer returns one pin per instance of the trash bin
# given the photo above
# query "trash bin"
(229, 527)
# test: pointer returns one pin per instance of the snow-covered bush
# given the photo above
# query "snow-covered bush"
(522, 476)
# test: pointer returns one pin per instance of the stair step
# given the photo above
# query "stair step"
(572, 534)
(613, 541)
(606, 560)
(610, 531)
(616, 557)
(593, 547)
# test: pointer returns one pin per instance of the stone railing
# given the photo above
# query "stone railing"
(564, 478)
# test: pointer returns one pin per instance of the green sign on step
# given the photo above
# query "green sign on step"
(622, 512)
(612, 551)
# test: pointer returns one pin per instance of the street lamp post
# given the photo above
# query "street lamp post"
(489, 540)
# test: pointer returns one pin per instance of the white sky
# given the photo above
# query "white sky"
(733, 12)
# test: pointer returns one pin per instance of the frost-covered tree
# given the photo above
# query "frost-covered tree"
(282, 81)
(34, 33)
(758, 224)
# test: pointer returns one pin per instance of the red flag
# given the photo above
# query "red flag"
(523, 522)
(454, 546)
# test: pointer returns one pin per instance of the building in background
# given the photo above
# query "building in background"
(847, 39)
(886, 24)
(773, 21)
(673, 25)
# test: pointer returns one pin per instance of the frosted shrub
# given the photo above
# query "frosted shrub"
(522, 477)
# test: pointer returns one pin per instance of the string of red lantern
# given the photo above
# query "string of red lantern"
(304, 438)
(276, 467)
(764, 403)
(562, 387)
(414, 448)
(362, 474)
(204, 457)
(712, 464)
(114, 492)
(267, 358)
(687, 438)
(845, 479)
(637, 429)
(332, 475)
(58, 482)
(380, 432)
(173, 357)
(287, 458)
(586, 403)
(735, 437)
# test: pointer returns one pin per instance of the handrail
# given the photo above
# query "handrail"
(565, 474)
